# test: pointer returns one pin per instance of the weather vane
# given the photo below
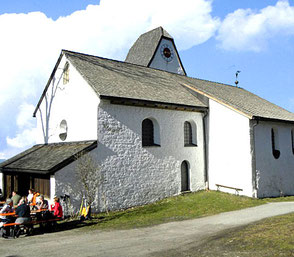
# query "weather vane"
(237, 73)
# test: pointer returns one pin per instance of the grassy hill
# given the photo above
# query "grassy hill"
(182, 207)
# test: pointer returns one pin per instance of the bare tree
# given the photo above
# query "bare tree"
(49, 99)
(88, 177)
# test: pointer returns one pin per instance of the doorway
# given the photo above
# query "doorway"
(185, 178)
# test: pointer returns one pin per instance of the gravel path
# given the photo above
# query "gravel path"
(137, 242)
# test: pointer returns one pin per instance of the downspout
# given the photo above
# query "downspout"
(253, 124)
(205, 151)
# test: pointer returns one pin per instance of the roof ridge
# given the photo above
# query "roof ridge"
(152, 68)
(125, 63)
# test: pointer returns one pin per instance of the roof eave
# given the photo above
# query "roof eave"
(258, 118)
(153, 104)
(48, 83)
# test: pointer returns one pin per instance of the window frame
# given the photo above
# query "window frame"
(150, 133)
(275, 151)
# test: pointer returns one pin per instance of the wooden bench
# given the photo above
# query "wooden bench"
(237, 190)
(33, 222)
(15, 228)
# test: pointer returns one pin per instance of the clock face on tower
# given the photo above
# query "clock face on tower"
(166, 52)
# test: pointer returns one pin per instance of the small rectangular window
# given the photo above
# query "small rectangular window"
(66, 74)
(274, 135)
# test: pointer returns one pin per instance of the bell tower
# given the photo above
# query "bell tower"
(156, 49)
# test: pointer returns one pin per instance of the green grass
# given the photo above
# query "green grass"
(269, 237)
(182, 207)
(274, 235)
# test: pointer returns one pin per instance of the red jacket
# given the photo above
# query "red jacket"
(57, 210)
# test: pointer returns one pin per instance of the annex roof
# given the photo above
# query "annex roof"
(144, 48)
(46, 158)
(239, 99)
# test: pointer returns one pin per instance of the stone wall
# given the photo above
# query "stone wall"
(136, 175)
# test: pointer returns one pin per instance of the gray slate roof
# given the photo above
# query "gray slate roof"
(46, 158)
(119, 79)
(144, 48)
(240, 99)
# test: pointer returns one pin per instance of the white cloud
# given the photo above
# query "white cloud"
(249, 30)
(30, 44)
(24, 139)
(24, 118)
(26, 132)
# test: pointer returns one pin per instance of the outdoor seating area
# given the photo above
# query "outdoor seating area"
(21, 215)
(40, 217)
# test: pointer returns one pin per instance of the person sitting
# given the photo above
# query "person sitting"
(15, 198)
(23, 212)
(42, 203)
(57, 208)
(35, 196)
(30, 196)
(7, 208)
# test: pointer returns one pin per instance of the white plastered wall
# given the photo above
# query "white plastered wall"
(135, 175)
(275, 177)
(159, 63)
(75, 102)
(229, 149)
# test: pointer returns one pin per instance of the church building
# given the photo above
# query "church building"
(154, 131)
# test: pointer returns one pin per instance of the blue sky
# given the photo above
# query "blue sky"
(214, 39)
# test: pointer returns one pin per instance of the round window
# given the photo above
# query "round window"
(167, 52)
(63, 130)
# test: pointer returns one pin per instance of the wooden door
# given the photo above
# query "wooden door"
(42, 185)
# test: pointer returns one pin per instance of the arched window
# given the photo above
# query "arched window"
(187, 133)
(185, 178)
(274, 135)
(66, 73)
(190, 134)
(147, 133)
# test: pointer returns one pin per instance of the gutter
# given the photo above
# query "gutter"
(258, 118)
(205, 150)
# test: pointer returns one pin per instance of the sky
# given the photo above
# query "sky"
(215, 38)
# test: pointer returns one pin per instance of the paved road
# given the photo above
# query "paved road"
(137, 242)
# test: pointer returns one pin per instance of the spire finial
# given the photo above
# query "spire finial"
(237, 73)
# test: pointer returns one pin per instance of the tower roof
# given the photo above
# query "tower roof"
(144, 48)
